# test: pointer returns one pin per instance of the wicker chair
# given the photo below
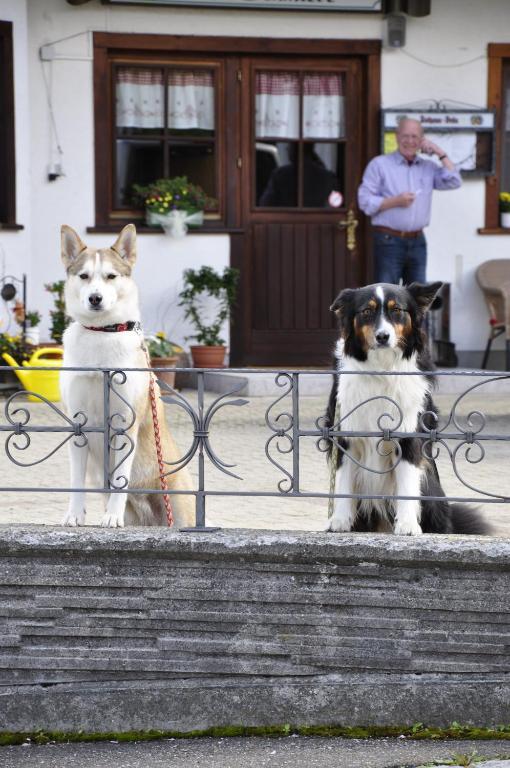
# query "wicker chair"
(494, 279)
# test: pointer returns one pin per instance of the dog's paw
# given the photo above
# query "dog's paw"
(73, 518)
(408, 526)
(113, 520)
(339, 524)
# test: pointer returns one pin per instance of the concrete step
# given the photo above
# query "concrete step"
(250, 383)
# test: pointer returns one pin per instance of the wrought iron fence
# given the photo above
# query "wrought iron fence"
(461, 436)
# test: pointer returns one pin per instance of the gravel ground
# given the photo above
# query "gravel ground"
(239, 435)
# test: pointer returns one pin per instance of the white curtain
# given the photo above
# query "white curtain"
(191, 99)
(140, 98)
(277, 105)
(323, 107)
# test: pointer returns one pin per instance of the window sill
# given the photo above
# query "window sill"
(11, 227)
(143, 230)
(494, 231)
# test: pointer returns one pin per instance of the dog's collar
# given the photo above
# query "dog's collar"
(130, 325)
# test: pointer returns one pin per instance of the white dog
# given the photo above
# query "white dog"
(102, 299)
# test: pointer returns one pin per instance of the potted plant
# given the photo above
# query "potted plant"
(32, 318)
(59, 319)
(504, 209)
(163, 354)
(201, 285)
(14, 346)
(175, 204)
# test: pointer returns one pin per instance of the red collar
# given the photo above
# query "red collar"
(130, 325)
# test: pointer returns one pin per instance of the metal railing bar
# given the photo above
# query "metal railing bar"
(259, 371)
(269, 494)
(426, 436)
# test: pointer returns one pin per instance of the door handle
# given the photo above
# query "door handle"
(350, 223)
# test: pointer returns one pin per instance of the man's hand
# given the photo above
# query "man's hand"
(398, 201)
(405, 199)
(430, 148)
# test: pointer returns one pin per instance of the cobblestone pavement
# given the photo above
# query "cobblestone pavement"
(238, 435)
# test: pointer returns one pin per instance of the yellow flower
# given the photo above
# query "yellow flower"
(160, 335)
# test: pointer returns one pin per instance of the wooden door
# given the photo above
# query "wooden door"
(302, 144)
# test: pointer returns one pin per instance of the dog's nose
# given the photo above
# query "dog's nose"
(95, 299)
(382, 337)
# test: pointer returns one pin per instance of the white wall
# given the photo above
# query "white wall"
(443, 59)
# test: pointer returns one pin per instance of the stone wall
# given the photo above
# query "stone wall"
(105, 630)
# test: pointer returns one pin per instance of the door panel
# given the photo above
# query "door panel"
(295, 259)
(295, 268)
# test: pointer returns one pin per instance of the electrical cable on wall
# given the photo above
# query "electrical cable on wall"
(47, 53)
(54, 168)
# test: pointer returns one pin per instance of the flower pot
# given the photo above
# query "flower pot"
(175, 223)
(32, 335)
(165, 362)
(505, 219)
(208, 357)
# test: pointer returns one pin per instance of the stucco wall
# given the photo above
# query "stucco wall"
(442, 59)
(106, 630)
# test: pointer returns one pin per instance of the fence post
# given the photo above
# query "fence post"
(106, 430)
(200, 497)
(295, 432)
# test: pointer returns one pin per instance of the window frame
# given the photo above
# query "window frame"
(498, 53)
(106, 59)
(7, 130)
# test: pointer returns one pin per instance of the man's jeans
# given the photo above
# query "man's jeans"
(399, 257)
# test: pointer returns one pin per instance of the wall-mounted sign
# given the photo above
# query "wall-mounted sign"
(356, 6)
(466, 136)
(458, 119)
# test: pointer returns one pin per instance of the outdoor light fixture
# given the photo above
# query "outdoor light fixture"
(8, 292)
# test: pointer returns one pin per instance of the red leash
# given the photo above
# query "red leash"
(157, 439)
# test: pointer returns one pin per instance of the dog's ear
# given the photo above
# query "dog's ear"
(342, 302)
(125, 244)
(424, 294)
(71, 245)
(341, 307)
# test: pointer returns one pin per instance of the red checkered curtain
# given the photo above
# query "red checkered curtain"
(140, 99)
(277, 105)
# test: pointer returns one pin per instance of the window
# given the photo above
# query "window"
(7, 156)
(499, 98)
(156, 119)
(164, 127)
(299, 138)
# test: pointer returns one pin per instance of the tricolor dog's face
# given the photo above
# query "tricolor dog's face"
(383, 316)
(99, 284)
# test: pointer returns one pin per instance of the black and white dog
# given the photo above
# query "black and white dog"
(381, 330)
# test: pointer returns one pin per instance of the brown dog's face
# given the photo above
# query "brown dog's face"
(383, 316)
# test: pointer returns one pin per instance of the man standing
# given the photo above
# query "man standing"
(396, 192)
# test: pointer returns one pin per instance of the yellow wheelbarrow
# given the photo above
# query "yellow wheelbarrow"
(45, 383)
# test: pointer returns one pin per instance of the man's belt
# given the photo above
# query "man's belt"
(398, 232)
